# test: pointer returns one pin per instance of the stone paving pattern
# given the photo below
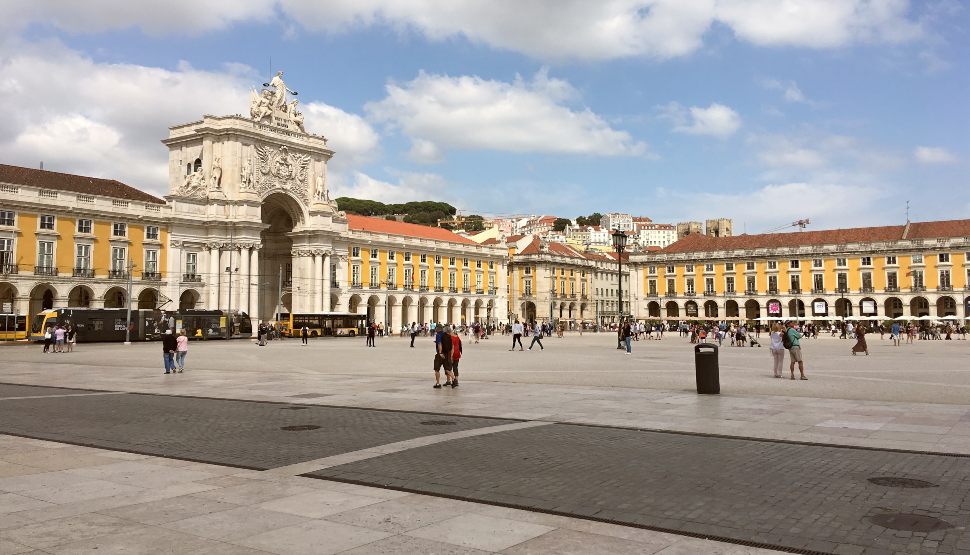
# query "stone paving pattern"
(239, 433)
(796, 496)
(11, 390)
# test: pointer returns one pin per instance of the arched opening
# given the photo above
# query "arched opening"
(582, 311)
(148, 298)
(919, 306)
(80, 296)
(710, 309)
(436, 310)
(796, 308)
(189, 299)
(42, 298)
(572, 309)
(335, 303)
(465, 316)
(393, 312)
(731, 309)
(673, 311)
(373, 315)
(946, 306)
(8, 298)
(529, 311)
(423, 310)
(477, 314)
(452, 316)
(653, 309)
(354, 304)
(773, 308)
(868, 307)
(894, 307)
(690, 309)
(752, 310)
(488, 311)
(406, 304)
(843, 308)
(282, 214)
(820, 307)
(115, 298)
(197, 165)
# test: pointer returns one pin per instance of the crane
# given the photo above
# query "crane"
(800, 224)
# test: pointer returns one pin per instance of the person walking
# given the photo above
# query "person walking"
(536, 337)
(794, 349)
(169, 346)
(894, 333)
(48, 337)
(777, 349)
(414, 332)
(860, 341)
(71, 337)
(59, 334)
(456, 352)
(305, 335)
(628, 337)
(181, 349)
(517, 330)
(442, 357)
(371, 332)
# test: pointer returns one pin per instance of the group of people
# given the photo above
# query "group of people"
(174, 350)
(534, 330)
(447, 355)
(786, 338)
(60, 338)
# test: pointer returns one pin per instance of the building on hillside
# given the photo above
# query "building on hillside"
(248, 226)
(720, 227)
(919, 269)
(655, 235)
(540, 225)
(617, 220)
(689, 228)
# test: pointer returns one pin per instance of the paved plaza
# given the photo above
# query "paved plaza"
(334, 447)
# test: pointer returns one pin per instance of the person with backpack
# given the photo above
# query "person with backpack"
(791, 342)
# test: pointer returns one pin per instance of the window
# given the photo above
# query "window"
(890, 261)
(689, 269)
(47, 221)
(423, 276)
(729, 266)
(355, 275)
(671, 286)
(407, 257)
(892, 281)
(408, 277)
(84, 226)
(867, 281)
(917, 259)
(816, 263)
(391, 255)
(6, 217)
(729, 284)
(151, 232)
(423, 259)
(773, 284)
(917, 278)
(944, 258)
(355, 252)
(437, 279)
(651, 286)
(866, 261)
(373, 254)
(119, 229)
(708, 267)
(464, 262)
(527, 288)
(708, 285)
(374, 280)
(391, 274)
(191, 263)
(478, 281)
(451, 261)
(478, 264)
(670, 269)
(690, 286)
(772, 264)
(945, 279)
(491, 264)
(842, 282)
(82, 258)
(652, 270)
(437, 259)
(6, 253)
(796, 282)
(151, 261)
(841, 262)
(528, 270)
(118, 257)
(751, 287)
(452, 280)
(749, 266)
(45, 254)
(794, 264)
(818, 282)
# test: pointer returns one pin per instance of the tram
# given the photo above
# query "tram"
(111, 324)
(323, 324)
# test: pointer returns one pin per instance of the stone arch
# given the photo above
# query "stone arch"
(653, 309)
(691, 309)
(825, 304)
(393, 314)
(423, 310)
(843, 308)
(477, 313)
(148, 298)
(80, 296)
(874, 305)
(8, 296)
(710, 309)
(946, 306)
(406, 303)
(529, 311)
(189, 299)
(893, 307)
(286, 201)
(673, 310)
(281, 214)
(796, 308)
(583, 307)
(372, 302)
(773, 308)
(752, 309)
(571, 310)
(731, 309)
(115, 297)
(334, 302)
(452, 305)
(465, 316)
(42, 297)
(436, 309)
(919, 306)
(354, 303)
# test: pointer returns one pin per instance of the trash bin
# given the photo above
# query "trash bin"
(705, 365)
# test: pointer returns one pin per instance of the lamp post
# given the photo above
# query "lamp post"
(619, 243)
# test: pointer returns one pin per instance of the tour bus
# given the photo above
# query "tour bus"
(98, 324)
(13, 327)
(213, 324)
(323, 324)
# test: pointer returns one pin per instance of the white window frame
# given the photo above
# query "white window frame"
(85, 229)
(44, 219)
(45, 259)
(123, 259)
(151, 261)
(8, 218)
(152, 233)
(82, 261)
(192, 263)
(119, 226)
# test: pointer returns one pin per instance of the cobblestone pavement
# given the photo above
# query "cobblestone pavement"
(238, 433)
(796, 496)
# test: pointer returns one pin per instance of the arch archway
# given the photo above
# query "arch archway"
(148, 298)
(436, 309)
(8, 297)
(372, 313)
(354, 303)
(335, 302)
(843, 308)
(752, 309)
(393, 312)
(690, 309)
(189, 299)
(653, 309)
(423, 310)
(710, 309)
(80, 296)
(42, 297)
(796, 308)
(820, 307)
(919, 306)
(452, 316)
(946, 306)
(731, 309)
(465, 316)
(477, 313)
(115, 297)
(529, 311)
(893, 307)
(673, 311)
(281, 214)
(406, 310)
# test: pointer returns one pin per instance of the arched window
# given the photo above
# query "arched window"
(197, 165)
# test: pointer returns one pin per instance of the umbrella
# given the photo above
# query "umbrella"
(925, 317)
(900, 319)
(950, 317)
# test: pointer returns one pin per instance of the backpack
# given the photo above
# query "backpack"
(786, 340)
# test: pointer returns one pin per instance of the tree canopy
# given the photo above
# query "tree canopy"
(426, 212)
(592, 219)
(560, 224)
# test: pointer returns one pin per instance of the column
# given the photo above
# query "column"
(326, 283)
(318, 282)
(413, 311)
(244, 274)
(254, 280)
(212, 280)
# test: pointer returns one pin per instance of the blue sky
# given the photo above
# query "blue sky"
(763, 111)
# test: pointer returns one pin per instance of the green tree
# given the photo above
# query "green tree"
(474, 223)
(592, 219)
(560, 224)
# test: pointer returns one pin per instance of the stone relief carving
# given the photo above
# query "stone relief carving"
(194, 185)
(271, 104)
(215, 179)
(246, 182)
(279, 168)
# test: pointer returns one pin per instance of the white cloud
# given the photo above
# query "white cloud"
(543, 29)
(439, 113)
(790, 91)
(717, 120)
(106, 120)
(410, 187)
(933, 155)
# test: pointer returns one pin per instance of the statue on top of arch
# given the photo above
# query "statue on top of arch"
(270, 103)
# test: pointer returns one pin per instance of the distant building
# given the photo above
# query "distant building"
(616, 220)
(655, 235)
(689, 228)
(720, 227)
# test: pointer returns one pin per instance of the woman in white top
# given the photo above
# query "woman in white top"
(777, 348)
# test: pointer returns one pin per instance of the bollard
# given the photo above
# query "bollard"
(706, 369)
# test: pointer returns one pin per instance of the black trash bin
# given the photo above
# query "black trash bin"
(705, 365)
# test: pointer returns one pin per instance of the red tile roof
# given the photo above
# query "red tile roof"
(32, 177)
(917, 230)
(391, 227)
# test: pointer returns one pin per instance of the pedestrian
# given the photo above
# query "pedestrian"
(59, 334)
(777, 349)
(456, 351)
(860, 341)
(169, 346)
(627, 337)
(305, 334)
(71, 337)
(536, 337)
(48, 337)
(517, 330)
(442, 356)
(414, 332)
(894, 334)
(181, 349)
(795, 349)
(371, 332)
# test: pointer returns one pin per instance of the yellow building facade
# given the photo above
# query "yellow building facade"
(549, 281)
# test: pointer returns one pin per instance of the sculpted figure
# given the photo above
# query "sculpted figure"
(215, 180)
(280, 90)
(297, 118)
(246, 176)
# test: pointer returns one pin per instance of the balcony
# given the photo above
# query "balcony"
(356, 285)
(917, 288)
(439, 289)
(409, 287)
(690, 293)
(83, 273)
(818, 291)
(9, 269)
(151, 276)
(452, 289)
(45, 270)
(892, 289)
(375, 285)
(653, 295)
(730, 292)
(479, 291)
(710, 293)
(795, 291)
(391, 286)
(866, 289)
(750, 292)
(772, 291)
(424, 289)
(585, 297)
(287, 283)
(191, 278)
(948, 287)
(842, 290)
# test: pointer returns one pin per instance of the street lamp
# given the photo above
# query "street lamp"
(619, 243)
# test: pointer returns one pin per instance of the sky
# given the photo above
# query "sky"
(764, 111)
